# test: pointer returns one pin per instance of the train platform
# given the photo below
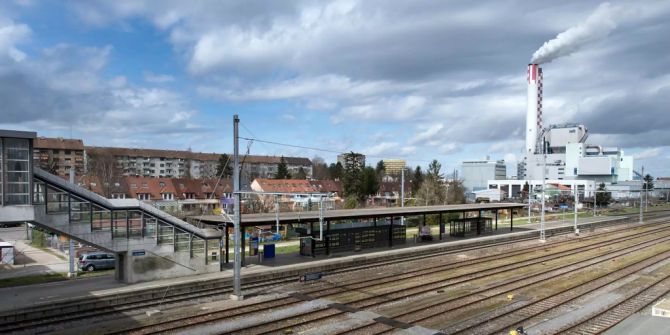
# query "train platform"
(282, 265)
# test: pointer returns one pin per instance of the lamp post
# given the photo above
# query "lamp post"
(237, 289)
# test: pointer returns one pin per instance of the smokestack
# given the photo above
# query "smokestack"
(534, 111)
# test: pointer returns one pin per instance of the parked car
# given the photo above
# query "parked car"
(96, 261)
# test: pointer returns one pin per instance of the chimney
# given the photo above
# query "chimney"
(534, 111)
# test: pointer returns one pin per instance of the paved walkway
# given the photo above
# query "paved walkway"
(28, 260)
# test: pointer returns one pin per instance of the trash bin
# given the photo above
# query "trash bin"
(268, 251)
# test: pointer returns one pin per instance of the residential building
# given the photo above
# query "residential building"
(59, 155)
(389, 193)
(332, 187)
(477, 173)
(394, 166)
(186, 164)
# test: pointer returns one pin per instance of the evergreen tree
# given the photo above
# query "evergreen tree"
(603, 198)
(336, 171)
(648, 183)
(282, 170)
(417, 180)
(434, 169)
(351, 180)
(369, 183)
(224, 167)
(380, 170)
(301, 174)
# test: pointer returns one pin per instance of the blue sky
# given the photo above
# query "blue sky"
(418, 80)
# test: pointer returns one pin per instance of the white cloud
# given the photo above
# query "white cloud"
(12, 34)
(648, 153)
(428, 134)
(381, 149)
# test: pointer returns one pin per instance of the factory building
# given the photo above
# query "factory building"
(477, 173)
(560, 153)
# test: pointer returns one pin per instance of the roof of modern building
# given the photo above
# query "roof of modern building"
(58, 143)
(345, 214)
(17, 133)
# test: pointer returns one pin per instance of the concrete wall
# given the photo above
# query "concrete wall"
(161, 262)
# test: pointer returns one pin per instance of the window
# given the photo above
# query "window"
(145, 185)
(67, 152)
(161, 184)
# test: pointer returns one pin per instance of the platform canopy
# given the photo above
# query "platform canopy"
(348, 214)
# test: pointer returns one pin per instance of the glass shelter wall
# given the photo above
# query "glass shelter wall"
(16, 178)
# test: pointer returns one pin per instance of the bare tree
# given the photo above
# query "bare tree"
(106, 167)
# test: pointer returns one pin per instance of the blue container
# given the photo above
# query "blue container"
(268, 251)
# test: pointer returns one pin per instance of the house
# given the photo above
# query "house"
(389, 193)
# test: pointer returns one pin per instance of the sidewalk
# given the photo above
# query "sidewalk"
(28, 261)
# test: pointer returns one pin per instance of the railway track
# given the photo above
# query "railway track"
(72, 311)
(441, 306)
(325, 312)
(609, 316)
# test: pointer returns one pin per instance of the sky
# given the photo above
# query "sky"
(417, 80)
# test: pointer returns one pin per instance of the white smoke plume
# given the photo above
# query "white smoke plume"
(597, 26)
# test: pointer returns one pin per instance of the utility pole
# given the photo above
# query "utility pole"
(544, 186)
(237, 289)
(277, 212)
(641, 218)
(595, 198)
(402, 193)
(72, 273)
(575, 205)
(529, 204)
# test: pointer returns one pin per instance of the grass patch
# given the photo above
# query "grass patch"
(29, 280)
(48, 278)
(287, 249)
(91, 274)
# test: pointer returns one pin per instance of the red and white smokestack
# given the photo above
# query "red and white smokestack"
(534, 111)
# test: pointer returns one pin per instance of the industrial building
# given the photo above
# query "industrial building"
(560, 153)
(477, 173)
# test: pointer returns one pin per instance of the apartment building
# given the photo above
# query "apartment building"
(58, 155)
(157, 163)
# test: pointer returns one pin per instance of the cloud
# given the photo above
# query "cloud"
(428, 134)
(157, 78)
(12, 34)
(382, 149)
(649, 153)
(65, 87)
(402, 65)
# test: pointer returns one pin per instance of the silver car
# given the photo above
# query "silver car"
(96, 261)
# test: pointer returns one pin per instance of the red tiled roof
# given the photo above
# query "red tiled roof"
(153, 186)
(285, 185)
(58, 143)
(327, 186)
